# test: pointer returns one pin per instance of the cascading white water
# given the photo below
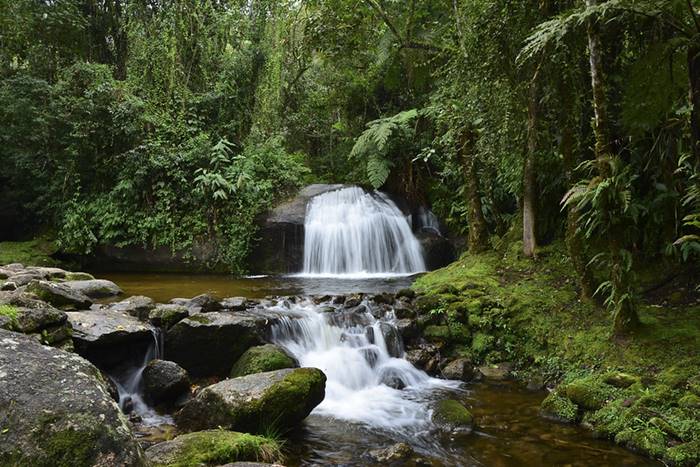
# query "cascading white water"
(129, 386)
(351, 232)
(365, 373)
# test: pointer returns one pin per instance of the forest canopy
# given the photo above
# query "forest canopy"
(172, 123)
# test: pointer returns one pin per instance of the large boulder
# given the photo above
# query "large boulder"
(213, 447)
(255, 403)
(110, 338)
(208, 344)
(95, 288)
(59, 295)
(166, 316)
(164, 382)
(137, 306)
(55, 410)
(438, 251)
(281, 246)
(262, 358)
(453, 417)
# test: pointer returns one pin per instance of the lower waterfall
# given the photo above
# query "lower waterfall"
(350, 232)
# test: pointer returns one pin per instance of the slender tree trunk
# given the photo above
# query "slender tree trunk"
(478, 234)
(625, 316)
(529, 178)
(694, 76)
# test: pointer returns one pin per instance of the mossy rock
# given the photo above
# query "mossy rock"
(427, 303)
(684, 454)
(620, 380)
(79, 276)
(690, 401)
(262, 358)
(455, 333)
(648, 441)
(561, 409)
(587, 393)
(452, 416)
(167, 316)
(213, 447)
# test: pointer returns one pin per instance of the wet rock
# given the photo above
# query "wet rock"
(212, 447)
(392, 339)
(256, 402)
(404, 311)
(204, 303)
(406, 293)
(109, 338)
(392, 378)
(535, 382)
(95, 288)
(57, 410)
(451, 416)
(353, 300)
(262, 358)
(558, 408)
(164, 382)
(59, 295)
(407, 329)
(165, 316)
(384, 298)
(208, 344)
(437, 250)
(496, 372)
(426, 357)
(235, 303)
(460, 369)
(397, 453)
(137, 306)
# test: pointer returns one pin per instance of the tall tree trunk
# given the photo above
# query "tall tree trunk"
(694, 76)
(529, 178)
(625, 316)
(478, 234)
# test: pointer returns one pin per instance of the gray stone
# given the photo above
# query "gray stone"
(57, 410)
(137, 306)
(255, 403)
(460, 369)
(208, 344)
(497, 372)
(235, 303)
(397, 453)
(166, 316)
(164, 382)
(95, 288)
(59, 295)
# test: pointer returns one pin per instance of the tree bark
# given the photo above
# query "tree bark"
(478, 234)
(694, 77)
(529, 177)
(625, 317)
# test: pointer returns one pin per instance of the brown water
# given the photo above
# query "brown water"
(509, 433)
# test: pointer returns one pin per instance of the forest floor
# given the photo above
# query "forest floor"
(642, 391)
(35, 252)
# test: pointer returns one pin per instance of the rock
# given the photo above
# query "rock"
(213, 447)
(165, 316)
(587, 393)
(437, 250)
(281, 246)
(684, 454)
(425, 357)
(384, 298)
(496, 372)
(406, 293)
(24, 278)
(208, 344)
(426, 303)
(57, 410)
(8, 286)
(558, 408)
(164, 382)
(235, 303)
(109, 338)
(48, 273)
(620, 380)
(648, 441)
(392, 378)
(262, 358)
(451, 416)
(403, 311)
(407, 329)
(392, 339)
(79, 276)
(460, 369)
(399, 452)
(59, 295)
(255, 403)
(137, 306)
(95, 288)
(203, 303)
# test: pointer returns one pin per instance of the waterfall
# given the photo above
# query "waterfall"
(367, 380)
(354, 233)
(128, 385)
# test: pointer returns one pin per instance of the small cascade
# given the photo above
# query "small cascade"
(128, 385)
(368, 380)
(350, 232)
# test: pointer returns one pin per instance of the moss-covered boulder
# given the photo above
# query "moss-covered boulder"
(166, 316)
(59, 295)
(561, 409)
(587, 393)
(649, 441)
(256, 403)
(620, 380)
(55, 410)
(213, 447)
(450, 415)
(262, 358)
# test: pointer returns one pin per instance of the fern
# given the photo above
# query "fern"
(378, 169)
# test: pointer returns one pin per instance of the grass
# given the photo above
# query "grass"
(35, 252)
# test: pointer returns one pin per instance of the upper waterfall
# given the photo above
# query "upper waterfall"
(352, 232)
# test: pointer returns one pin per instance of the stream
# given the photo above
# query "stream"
(357, 241)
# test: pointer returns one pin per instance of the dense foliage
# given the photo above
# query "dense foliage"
(177, 123)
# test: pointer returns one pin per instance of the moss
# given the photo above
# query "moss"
(684, 454)
(649, 441)
(79, 276)
(427, 303)
(199, 318)
(453, 413)
(559, 408)
(620, 380)
(689, 400)
(261, 358)
(36, 252)
(10, 312)
(68, 448)
(216, 447)
(587, 393)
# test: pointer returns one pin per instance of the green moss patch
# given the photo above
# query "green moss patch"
(452, 413)
(36, 252)
(261, 358)
(559, 408)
